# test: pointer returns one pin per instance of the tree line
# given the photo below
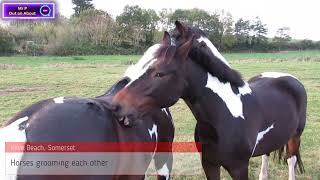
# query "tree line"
(91, 31)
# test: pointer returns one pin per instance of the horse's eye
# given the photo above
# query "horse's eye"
(159, 74)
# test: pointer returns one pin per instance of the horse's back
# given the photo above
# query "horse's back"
(68, 119)
(26, 112)
(280, 89)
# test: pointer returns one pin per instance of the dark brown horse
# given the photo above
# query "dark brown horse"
(236, 120)
(75, 119)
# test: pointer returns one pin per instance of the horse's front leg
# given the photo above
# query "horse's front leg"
(212, 172)
(163, 162)
(238, 170)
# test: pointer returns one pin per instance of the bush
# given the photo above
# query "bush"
(6, 42)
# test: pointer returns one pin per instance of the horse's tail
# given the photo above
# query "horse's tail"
(281, 156)
(300, 163)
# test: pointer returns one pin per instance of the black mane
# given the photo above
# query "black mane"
(116, 87)
(202, 55)
(198, 32)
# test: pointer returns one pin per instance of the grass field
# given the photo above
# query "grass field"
(25, 80)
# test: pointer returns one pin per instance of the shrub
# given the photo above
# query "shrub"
(6, 42)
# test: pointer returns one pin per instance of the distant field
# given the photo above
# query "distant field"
(25, 80)
(125, 59)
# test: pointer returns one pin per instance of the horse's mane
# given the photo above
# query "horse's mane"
(211, 63)
(215, 66)
(198, 32)
(116, 87)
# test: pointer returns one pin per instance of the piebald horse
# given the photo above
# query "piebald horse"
(76, 119)
(236, 120)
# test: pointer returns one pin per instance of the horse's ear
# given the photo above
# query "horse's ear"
(180, 27)
(184, 49)
(166, 40)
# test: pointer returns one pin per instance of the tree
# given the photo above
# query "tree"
(259, 31)
(305, 44)
(23, 32)
(209, 23)
(242, 33)
(228, 39)
(282, 37)
(137, 26)
(227, 22)
(95, 27)
(150, 19)
(283, 33)
(181, 15)
(81, 5)
(6, 42)
(164, 20)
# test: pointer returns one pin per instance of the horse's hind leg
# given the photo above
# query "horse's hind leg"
(264, 167)
(293, 156)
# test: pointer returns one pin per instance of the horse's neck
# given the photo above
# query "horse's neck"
(210, 99)
(208, 112)
(196, 92)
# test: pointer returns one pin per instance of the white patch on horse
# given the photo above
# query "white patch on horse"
(173, 42)
(164, 171)
(11, 133)
(58, 100)
(165, 110)
(213, 49)
(154, 131)
(169, 116)
(264, 167)
(275, 75)
(134, 72)
(245, 89)
(224, 91)
(260, 136)
(291, 165)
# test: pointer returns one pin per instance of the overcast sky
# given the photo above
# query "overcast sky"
(302, 16)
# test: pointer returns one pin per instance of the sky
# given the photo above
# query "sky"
(301, 16)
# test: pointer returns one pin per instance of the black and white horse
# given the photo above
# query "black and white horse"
(76, 119)
(236, 120)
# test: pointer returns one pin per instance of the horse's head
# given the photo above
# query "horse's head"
(157, 80)
(204, 53)
(202, 45)
(162, 75)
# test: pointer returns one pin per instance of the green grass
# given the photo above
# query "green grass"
(286, 55)
(25, 80)
(44, 60)
(125, 59)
